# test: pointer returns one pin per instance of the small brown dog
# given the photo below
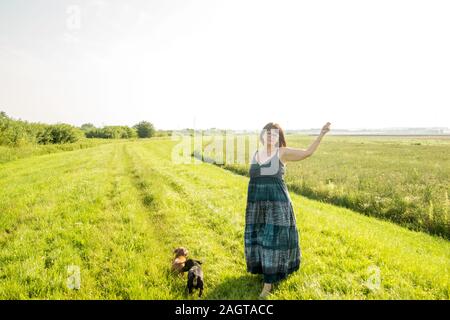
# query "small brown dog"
(179, 260)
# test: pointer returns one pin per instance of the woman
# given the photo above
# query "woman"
(271, 236)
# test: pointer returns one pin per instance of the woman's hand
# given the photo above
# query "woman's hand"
(325, 128)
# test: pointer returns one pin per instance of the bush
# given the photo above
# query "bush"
(60, 133)
(87, 127)
(112, 132)
(128, 133)
(145, 129)
(18, 133)
(14, 132)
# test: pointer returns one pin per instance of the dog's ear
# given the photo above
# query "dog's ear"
(199, 262)
(175, 251)
(187, 265)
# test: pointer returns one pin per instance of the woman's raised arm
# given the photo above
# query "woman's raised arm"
(293, 154)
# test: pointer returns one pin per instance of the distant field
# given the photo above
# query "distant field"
(399, 178)
(115, 213)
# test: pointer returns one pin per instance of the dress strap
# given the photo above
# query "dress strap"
(254, 155)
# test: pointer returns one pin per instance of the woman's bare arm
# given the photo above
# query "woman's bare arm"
(293, 154)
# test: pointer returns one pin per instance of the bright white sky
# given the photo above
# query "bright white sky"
(227, 64)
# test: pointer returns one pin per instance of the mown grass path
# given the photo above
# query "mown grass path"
(117, 211)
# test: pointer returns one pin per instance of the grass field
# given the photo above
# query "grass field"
(401, 179)
(13, 153)
(116, 211)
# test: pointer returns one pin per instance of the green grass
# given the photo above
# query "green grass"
(118, 210)
(13, 153)
(401, 179)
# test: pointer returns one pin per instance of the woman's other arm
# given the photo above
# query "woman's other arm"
(293, 154)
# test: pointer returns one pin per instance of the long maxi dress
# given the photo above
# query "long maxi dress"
(271, 236)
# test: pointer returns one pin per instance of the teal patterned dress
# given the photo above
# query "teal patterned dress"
(271, 235)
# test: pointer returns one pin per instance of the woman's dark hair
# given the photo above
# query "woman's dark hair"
(268, 127)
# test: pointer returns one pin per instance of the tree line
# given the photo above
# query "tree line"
(15, 132)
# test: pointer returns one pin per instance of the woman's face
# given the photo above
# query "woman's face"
(270, 137)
